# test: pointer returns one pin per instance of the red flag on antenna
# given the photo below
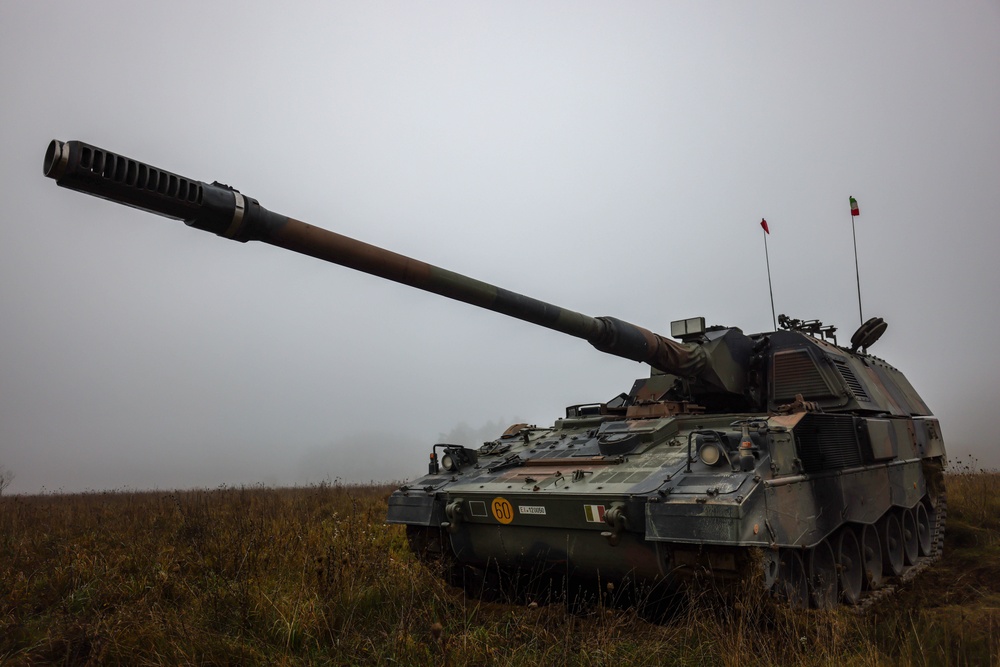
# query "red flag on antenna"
(763, 225)
(855, 211)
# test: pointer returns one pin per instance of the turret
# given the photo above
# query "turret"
(717, 364)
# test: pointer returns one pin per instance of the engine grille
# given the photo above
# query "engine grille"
(827, 442)
(795, 372)
(852, 381)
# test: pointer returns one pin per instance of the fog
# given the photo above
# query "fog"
(615, 159)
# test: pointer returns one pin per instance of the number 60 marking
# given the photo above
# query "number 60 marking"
(503, 511)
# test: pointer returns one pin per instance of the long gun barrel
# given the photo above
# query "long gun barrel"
(220, 209)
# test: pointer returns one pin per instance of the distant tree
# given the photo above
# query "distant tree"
(6, 477)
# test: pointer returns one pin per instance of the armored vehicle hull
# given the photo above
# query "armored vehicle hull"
(815, 465)
(831, 505)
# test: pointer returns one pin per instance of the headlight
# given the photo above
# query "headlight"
(456, 457)
(709, 453)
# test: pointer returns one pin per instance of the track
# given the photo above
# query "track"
(937, 550)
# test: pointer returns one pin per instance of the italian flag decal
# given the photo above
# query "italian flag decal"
(595, 513)
(855, 211)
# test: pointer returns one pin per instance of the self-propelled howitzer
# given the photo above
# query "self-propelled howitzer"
(818, 462)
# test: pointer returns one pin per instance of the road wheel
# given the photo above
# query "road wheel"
(923, 529)
(850, 565)
(911, 542)
(871, 556)
(793, 584)
(823, 576)
(891, 537)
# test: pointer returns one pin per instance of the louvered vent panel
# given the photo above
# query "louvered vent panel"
(852, 381)
(827, 442)
(795, 372)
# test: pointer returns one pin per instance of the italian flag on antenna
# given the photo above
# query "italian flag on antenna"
(767, 232)
(855, 213)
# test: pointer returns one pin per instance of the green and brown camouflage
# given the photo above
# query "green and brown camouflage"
(778, 449)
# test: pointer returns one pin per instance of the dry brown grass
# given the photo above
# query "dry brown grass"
(313, 576)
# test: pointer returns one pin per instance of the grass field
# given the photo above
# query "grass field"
(312, 576)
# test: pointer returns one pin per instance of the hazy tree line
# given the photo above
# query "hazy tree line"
(6, 477)
(466, 435)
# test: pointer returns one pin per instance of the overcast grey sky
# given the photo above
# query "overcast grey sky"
(613, 158)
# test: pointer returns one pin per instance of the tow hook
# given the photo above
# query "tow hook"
(453, 511)
(617, 519)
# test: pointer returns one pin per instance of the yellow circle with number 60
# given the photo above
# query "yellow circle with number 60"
(503, 511)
